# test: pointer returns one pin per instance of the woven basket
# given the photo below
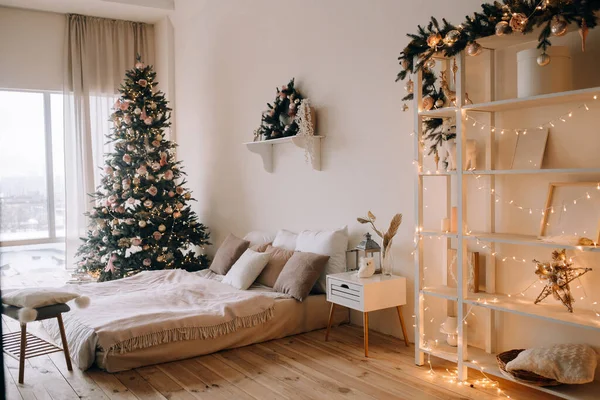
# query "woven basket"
(520, 375)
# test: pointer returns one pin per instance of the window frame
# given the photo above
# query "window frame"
(49, 159)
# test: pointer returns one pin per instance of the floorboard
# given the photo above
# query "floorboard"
(301, 367)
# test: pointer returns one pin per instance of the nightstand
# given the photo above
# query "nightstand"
(365, 295)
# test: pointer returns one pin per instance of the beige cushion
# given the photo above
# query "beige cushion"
(232, 248)
(260, 248)
(300, 274)
(37, 297)
(565, 363)
(246, 269)
(279, 257)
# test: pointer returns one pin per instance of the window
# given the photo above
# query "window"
(32, 201)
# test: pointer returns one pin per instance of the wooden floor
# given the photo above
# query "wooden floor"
(299, 367)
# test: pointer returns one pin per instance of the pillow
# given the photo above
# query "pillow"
(565, 363)
(285, 240)
(246, 269)
(229, 252)
(279, 257)
(37, 297)
(260, 248)
(328, 243)
(300, 274)
(256, 238)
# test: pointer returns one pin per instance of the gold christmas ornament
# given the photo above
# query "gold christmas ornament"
(543, 60)
(557, 275)
(518, 22)
(558, 26)
(162, 228)
(583, 32)
(410, 86)
(451, 37)
(502, 28)
(430, 64)
(427, 103)
(474, 49)
(404, 107)
(434, 40)
(439, 103)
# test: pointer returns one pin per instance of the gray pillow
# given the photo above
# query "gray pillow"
(232, 248)
(300, 274)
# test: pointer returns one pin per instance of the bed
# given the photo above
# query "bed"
(108, 336)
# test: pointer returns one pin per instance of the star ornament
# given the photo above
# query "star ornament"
(556, 277)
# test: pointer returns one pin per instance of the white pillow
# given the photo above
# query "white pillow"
(328, 243)
(285, 240)
(37, 297)
(246, 269)
(259, 237)
(565, 363)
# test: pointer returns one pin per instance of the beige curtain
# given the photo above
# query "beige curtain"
(98, 52)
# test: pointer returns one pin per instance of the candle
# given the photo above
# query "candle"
(454, 220)
(445, 224)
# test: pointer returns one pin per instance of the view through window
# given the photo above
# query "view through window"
(32, 199)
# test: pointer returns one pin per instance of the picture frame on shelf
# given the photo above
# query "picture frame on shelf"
(582, 220)
(530, 149)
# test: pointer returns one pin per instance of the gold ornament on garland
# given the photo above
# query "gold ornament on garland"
(474, 49)
(543, 60)
(518, 22)
(502, 28)
(430, 64)
(427, 103)
(451, 37)
(558, 26)
(410, 86)
(434, 40)
(557, 275)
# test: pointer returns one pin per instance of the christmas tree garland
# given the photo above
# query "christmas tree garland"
(518, 16)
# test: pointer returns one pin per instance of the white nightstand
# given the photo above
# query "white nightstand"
(366, 294)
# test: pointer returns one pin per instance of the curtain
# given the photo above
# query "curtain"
(98, 51)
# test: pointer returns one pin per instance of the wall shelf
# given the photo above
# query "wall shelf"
(529, 240)
(264, 149)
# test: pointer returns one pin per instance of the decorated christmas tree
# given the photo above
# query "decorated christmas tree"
(141, 219)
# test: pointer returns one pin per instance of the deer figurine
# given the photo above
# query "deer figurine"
(450, 94)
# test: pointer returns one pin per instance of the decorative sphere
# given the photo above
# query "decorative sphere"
(148, 203)
(451, 37)
(434, 40)
(439, 103)
(410, 86)
(430, 64)
(518, 22)
(142, 224)
(502, 28)
(162, 228)
(558, 26)
(176, 214)
(147, 262)
(543, 59)
(474, 49)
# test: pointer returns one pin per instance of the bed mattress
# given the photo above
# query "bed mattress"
(291, 317)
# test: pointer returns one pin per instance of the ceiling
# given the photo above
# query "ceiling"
(133, 10)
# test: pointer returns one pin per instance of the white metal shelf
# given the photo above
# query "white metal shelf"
(528, 240)
(543, 100)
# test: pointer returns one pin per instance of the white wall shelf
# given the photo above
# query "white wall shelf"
(582, 95)
(459, 299)
(264, 149)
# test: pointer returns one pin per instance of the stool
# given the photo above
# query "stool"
(23, 345)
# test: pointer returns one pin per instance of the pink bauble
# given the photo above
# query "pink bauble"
(147, 262)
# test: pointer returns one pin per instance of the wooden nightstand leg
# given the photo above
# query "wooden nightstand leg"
(402, 325)
(366, 327)
(64, 342)
(331, 310)
(22, 353)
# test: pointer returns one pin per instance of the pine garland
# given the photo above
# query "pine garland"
(278, 121)
(482, 24)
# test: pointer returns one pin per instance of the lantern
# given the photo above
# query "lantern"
(368, 248)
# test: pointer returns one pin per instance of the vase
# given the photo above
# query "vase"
(387, 265)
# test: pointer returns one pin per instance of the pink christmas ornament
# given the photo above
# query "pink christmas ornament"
(124, 105)
(136, 242)
(110, 267)
(139, 65)
(168, 175)
(152, 190)
(127, 158)
(157, 235)
(148, 121)
(147, 262)
(143, 82)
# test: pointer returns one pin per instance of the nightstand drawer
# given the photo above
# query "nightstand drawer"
(344, 293)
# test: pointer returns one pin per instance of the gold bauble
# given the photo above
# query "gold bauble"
(502, 28)
(434, 40)
(162, 228)
(474, 49)
(451, 37)
(430, 64)
(518, 22)
(410, 86)
(427, 103)
(558, 26)
(543, 60)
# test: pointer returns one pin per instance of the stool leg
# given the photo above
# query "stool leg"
(22, 353)
(64, 342)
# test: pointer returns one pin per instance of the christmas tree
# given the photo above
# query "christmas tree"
(141, 219)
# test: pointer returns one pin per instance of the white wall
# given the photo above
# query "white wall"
(31, 49)
(231, 54)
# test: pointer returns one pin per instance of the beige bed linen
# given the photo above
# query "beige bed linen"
(291, 318)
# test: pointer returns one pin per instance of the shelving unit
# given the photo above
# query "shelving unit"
(455, 182)
(264, 148)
